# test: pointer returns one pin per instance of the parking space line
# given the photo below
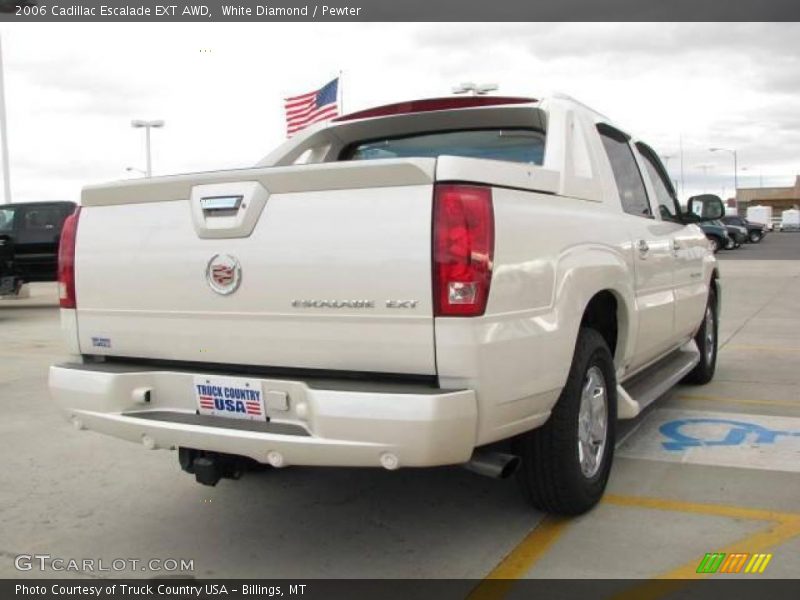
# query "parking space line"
(700, 397)
(719, 510)
(521, 559)
(778, 533)
(784, 527)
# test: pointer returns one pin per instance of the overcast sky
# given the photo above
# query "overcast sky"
(72, 89)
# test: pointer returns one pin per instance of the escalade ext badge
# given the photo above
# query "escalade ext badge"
(224, 274)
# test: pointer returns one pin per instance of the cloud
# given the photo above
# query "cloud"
(71, 92)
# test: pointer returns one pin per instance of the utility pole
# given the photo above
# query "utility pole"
(4, 133)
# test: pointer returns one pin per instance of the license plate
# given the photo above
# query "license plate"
(232, 397)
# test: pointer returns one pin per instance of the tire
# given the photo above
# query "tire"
(754, 237)
(730, 244)
(706, 344)
(552, 476)
(715, 244)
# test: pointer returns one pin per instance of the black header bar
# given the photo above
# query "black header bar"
(398, 10)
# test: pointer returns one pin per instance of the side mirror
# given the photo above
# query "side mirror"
(705, 207)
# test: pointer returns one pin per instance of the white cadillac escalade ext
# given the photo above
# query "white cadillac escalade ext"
(404, 286)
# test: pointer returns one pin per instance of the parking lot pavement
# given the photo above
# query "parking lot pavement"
(776, 245)
(728, 483)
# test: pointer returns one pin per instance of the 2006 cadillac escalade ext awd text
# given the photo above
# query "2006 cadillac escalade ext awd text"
(400, 287)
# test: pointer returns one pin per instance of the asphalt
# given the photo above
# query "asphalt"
(77, 494)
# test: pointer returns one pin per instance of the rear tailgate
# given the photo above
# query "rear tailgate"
(334, 274)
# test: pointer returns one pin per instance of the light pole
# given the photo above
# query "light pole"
(735, 168)
(4, 135)
(475, 89)
(148, 125)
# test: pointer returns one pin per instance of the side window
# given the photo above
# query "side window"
(7, 221)
(667, 204)
(40, 224)
(626, 173)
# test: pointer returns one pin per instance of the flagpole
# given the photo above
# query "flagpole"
(341, 94)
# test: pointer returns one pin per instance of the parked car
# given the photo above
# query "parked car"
(410, 298)
(9, 282)
(717, 235)
(755, 231)
(32, 231)
(736, 235)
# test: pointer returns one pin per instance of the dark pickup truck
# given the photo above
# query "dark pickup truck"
(29, 235)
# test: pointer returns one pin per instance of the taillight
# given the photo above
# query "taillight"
(463, 249)
(66, 261)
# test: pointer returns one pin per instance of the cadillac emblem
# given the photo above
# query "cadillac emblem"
(223, 274)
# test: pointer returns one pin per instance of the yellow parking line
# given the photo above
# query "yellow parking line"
(720, 510)
(785, 526)
(665, 583)
(520, 560)
(700, 397)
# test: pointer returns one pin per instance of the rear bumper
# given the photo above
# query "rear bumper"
(350, 424)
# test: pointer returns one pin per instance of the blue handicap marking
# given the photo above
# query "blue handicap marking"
(737, 433)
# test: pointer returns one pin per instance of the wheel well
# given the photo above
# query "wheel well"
(601, 315)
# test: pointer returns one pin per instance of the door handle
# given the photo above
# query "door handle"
(676, 247)
(644, 248)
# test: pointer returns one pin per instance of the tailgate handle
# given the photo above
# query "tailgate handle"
(214, 205)
(227, 210)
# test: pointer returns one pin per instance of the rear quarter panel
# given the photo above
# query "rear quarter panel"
(552, 255)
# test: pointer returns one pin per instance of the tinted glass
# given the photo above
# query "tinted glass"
(39, 225)
(626, 174)
(515, 145)
(6, 220)
(666, 201)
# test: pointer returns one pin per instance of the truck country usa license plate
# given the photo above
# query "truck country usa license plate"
(231, 397)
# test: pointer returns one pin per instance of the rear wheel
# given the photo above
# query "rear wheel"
(754, 236)
(566, 462)
(706, 340)
(715, 244)
(730, 244)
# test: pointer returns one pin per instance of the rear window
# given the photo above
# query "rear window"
(514, 145)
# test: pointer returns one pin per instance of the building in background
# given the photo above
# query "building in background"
(779, 198)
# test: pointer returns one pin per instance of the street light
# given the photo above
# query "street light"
(475, 89)
(148, 125)
(735, 167)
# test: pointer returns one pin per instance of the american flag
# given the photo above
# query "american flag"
(319, 105)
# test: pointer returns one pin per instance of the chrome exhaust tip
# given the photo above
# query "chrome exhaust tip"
(497, 465)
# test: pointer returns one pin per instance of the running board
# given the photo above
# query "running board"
(635, 394)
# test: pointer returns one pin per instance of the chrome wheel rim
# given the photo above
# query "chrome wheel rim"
(710, 335)
(592, 422)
